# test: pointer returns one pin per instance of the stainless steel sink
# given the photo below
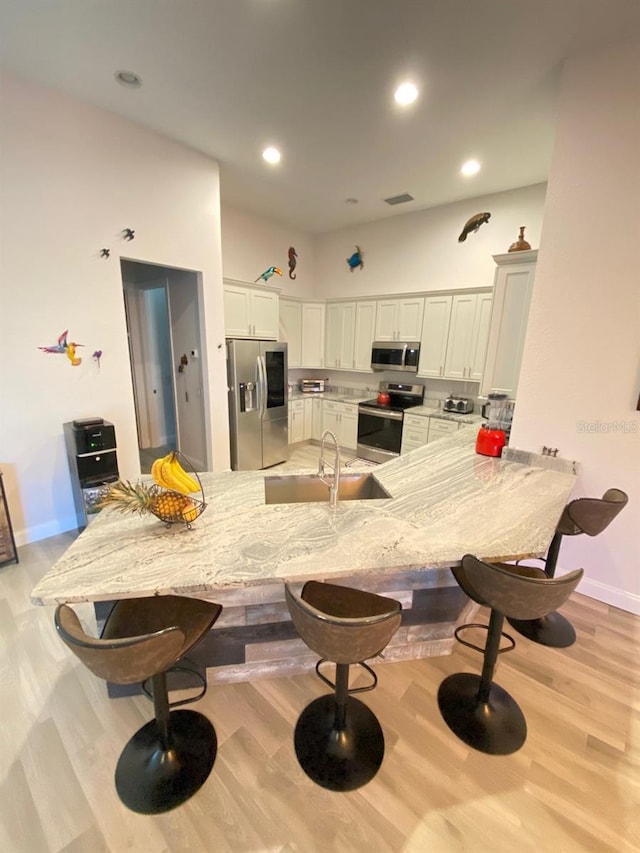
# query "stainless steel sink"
(310, 488)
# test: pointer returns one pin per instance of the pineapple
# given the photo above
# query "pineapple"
(136, 497)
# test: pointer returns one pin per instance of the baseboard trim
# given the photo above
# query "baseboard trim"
(628, 601)
(43, 531)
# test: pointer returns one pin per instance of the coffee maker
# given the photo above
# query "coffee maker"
(492, 436)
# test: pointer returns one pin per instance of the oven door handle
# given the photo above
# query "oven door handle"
(375, 413)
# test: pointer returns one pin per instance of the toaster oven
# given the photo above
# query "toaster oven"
(312, 386)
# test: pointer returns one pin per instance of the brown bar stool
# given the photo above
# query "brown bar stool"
(170, 757)
(583, 515)
(478, 711)
(338, 739)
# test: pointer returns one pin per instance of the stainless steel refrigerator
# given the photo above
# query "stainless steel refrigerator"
(258, 403)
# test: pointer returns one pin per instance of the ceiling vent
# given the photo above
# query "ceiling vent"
(398, 199)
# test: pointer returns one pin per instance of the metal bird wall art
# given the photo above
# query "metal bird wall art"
(293, 259)
(65, 347)
(355, 260)
(266, 275)
(472, 225)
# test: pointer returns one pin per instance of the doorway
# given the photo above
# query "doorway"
(167, 365)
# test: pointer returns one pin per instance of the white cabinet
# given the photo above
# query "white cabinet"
(316, 418)
(341, 320)
(342, 420)
(313, 318)
(399, 319)
(308, 418)
(250, 312)
(439, 428)
(454, 335)
(300, 420)
(291, 330)
(468, 331)
(415, 432)
(365, 328)
(296, 421)
(435, 332)
(302, 327)
(508, 324)
(350, 333)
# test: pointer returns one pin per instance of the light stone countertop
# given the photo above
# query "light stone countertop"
(447, 501)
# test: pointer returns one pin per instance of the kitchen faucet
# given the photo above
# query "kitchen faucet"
(333, 489)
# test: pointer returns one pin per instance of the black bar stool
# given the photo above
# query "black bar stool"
(583, 515)
(478, 711)
(338, 739)
(170, 757)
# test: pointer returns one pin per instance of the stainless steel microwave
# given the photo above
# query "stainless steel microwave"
(395, 355)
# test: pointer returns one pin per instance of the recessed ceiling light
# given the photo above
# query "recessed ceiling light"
(471, 167)
(405, 94)
(129, 79)
(271, 155)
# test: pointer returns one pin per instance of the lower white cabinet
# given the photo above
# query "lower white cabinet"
(415, 432)
(301, 420)
(342, 420)
(439, 428)
(316, 418)
(296, 421)
(418, 430)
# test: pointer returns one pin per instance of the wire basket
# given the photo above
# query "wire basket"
(180, 508)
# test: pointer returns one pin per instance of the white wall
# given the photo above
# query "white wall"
(72, 178)
(580, 376)
(420, 251)
(252, 244)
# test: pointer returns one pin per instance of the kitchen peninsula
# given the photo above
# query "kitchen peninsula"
(446, 501)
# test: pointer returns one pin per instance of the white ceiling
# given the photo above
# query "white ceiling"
(316, 78)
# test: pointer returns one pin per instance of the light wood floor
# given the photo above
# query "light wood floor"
(574, 786)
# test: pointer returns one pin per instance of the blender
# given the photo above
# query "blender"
(492, 436)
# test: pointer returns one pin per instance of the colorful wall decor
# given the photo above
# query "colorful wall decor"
(355, 260)
(472, 225)
(65, 347)
(293, 259)
(266, 275)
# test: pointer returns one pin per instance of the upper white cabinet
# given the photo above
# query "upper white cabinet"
(399, 319)
(250, 312)
(468, 330)
(302, 327)
(435, 332)
(508, 323)
(341, 322)
(313, 318)
(291, 330)
(350, 333)
(365, 328)
(454, 335)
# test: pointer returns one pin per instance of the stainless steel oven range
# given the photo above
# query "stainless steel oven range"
(380, 420)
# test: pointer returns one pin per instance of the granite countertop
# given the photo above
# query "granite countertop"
(446, 501)
(428, 410)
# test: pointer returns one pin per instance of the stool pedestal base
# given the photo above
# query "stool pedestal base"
(496, 727)
(340, 760)
(551, 630)
(151, 778)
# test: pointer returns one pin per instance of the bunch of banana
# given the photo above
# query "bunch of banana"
(169, 474)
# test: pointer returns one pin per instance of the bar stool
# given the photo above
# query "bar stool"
(169, 758)
(583, 515)
(478, 711)
(338, 740)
